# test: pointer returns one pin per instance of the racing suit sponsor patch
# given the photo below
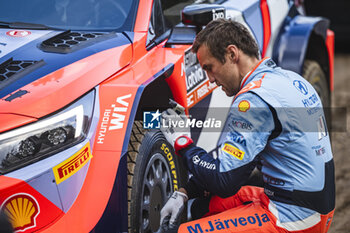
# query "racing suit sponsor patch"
(311, 101)
(319, 150)
(198, 161)
(237, 137)
(229, 223)
(273, 180)
(243, 106)
(240, 124)
(234, 151)
(300, 86)
(73, 164)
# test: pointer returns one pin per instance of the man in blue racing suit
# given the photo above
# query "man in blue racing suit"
(276, 121)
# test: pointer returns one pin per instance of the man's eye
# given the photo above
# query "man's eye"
(207, 68)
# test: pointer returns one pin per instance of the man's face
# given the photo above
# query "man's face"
(225, 75)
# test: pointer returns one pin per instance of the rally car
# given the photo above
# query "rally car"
(82, 85)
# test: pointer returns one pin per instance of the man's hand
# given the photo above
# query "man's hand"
(173, 208)
(172, 128)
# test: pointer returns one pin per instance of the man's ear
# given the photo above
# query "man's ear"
(232, 52)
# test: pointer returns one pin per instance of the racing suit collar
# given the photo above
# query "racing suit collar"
(246, 77)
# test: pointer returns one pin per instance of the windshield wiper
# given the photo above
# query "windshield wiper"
(24, 25)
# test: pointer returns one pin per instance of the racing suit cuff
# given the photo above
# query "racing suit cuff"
(182, 144)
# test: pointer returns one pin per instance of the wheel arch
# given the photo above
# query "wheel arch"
(317, 51)
(155, 93)
(304, 38)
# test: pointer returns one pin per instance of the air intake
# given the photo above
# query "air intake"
(67, 42)
(11, 70)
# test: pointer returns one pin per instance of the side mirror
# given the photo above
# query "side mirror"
(182, 34)
(194, 17)
(201, 14)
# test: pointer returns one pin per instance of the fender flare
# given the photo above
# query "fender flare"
(115, 215)
(291, 49)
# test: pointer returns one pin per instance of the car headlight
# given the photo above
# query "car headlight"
(38, 140)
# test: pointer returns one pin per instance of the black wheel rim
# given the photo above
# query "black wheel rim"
(156, 189)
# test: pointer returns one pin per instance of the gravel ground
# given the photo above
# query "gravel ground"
(341, 144)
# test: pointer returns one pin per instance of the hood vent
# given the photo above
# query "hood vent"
(11, 70)
(67, 42)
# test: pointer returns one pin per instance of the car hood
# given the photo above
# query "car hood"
(43, 71)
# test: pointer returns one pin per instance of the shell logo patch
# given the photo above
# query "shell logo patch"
(73, 164)
(22, 210)
(243, 106)
(234, 151)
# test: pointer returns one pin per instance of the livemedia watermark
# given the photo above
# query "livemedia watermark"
(229, 119)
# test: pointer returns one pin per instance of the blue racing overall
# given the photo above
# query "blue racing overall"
(276, 122)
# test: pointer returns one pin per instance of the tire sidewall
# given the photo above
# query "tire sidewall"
(314, 74)
(317, 78)
(154, 143)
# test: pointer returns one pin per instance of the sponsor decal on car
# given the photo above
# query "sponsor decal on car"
(243, 106)
(200, 92)
(22, 210)
(114, 117)
(194, 73)
(18, 33)
(218, 14)
(2, 44)
(197, 82)
(171, 162)
(234, 151)
(73, 164)
(190, 100)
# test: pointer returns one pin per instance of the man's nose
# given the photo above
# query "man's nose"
(211, 77)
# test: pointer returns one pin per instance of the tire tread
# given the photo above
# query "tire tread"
(136, 137)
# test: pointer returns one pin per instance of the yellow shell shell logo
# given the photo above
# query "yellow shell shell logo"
(243, 106)
(22, 210)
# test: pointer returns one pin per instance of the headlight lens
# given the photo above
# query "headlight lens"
(41, 139)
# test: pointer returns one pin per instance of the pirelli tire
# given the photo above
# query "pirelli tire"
(313, 73)
(154, 173)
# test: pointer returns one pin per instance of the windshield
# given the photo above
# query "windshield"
(117, 15)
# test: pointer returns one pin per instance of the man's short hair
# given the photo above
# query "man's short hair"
(219, 34)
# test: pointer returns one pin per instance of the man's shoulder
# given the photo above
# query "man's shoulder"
(248, 100)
